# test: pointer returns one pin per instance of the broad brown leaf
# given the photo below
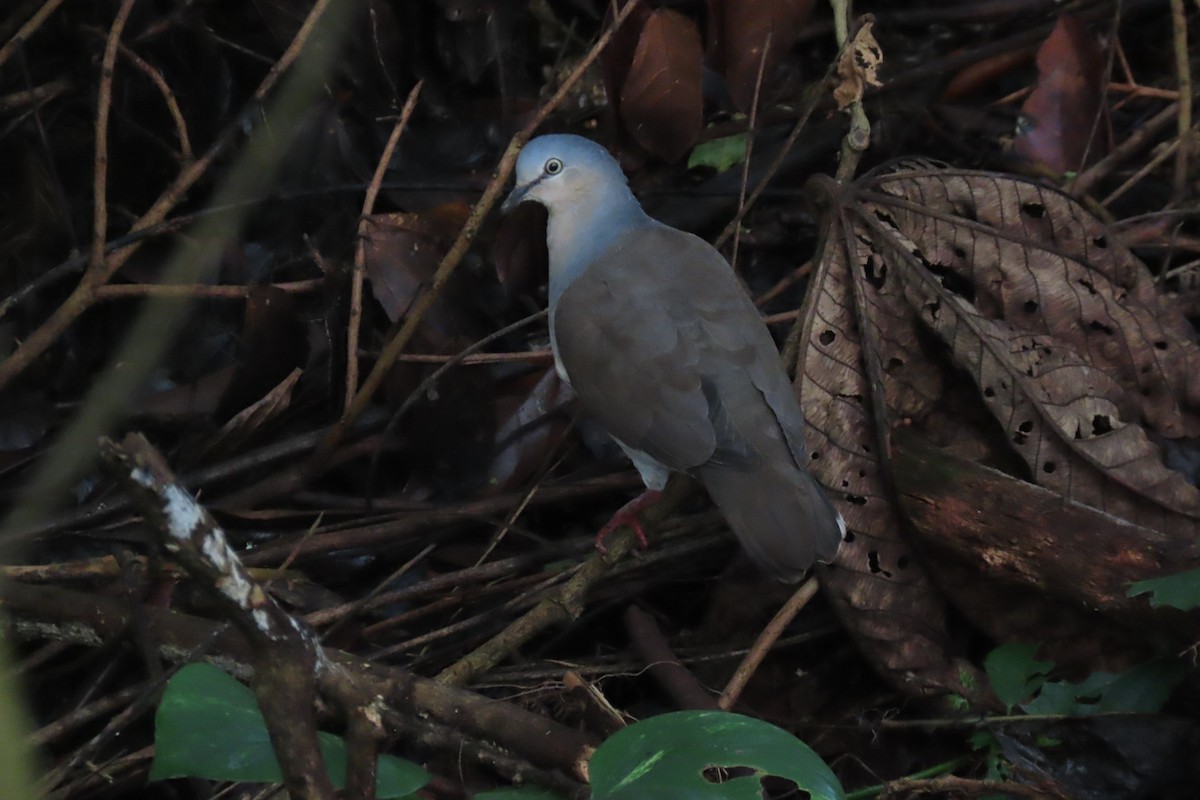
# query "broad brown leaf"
(661, 100)
(1023, 564)
(1060, 127)
(880, 590)
(741, 30)
(1062, 335)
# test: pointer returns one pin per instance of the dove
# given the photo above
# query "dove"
(653, 331)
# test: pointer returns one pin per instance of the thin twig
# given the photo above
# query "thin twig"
(1183, 74)
(1151, 165)
(1145, 132)
(103, 105)
(812, 98)
(764, 642)
(387, 358)
(156, 77)
(196, 291)
(751, 130)
(360, 247)
(40, 340)
(28, 29)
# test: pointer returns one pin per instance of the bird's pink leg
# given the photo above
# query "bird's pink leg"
(628, 515)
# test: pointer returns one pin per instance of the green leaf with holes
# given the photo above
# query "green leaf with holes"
(1015, 672)
(209, 726)
(702, 755)
(1143, 689)
(1181, 590)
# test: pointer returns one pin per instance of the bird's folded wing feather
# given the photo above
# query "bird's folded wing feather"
(661, 343)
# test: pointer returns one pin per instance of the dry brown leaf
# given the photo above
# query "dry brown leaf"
(1023, 564)
(858, 65)
(1035, 258)
(1072, 356)
(661, 100)
(1060, 128)
(1059, 328)
(741, 31)
(881, 591)
(402, 254)
(234, 433)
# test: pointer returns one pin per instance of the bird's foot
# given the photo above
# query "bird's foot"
(628, 515)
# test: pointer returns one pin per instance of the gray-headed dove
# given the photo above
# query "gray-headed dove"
(654, 332)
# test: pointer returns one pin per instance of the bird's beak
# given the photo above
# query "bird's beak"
(514, 199)
(518, 195)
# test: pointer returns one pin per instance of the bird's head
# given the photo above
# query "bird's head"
(561, 171)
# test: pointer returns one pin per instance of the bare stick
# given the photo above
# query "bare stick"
(156, 77)
(286, 657)
(764, 642)
(287, 480)
(28, 29)
(751, 130)
(1183, 73)
(103, 105)
(360, 247)
(81, 299)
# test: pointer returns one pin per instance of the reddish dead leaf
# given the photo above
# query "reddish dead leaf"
(617, 59)
(1060, 127)
(661, 100)
(519, 249)
(274, 342)
(402, 253)
(741, 30)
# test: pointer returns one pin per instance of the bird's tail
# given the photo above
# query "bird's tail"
(783, 519)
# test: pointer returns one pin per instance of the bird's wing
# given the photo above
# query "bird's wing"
(664, 348)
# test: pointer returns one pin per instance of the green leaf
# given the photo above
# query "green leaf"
(1015, 672)
(720, 154)
(520, 793)
(209, 726)
(666, 758)
(1139, 690)
(1143, 689)
(1179, 591)
(1056, 698)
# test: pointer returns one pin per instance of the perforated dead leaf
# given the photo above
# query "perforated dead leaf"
(1053, 327)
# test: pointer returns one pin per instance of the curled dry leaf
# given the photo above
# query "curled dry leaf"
(1058, 327)
(247, 422)
(662, 103)
(858, 66)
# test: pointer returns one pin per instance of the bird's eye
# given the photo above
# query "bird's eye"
(553, 167)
